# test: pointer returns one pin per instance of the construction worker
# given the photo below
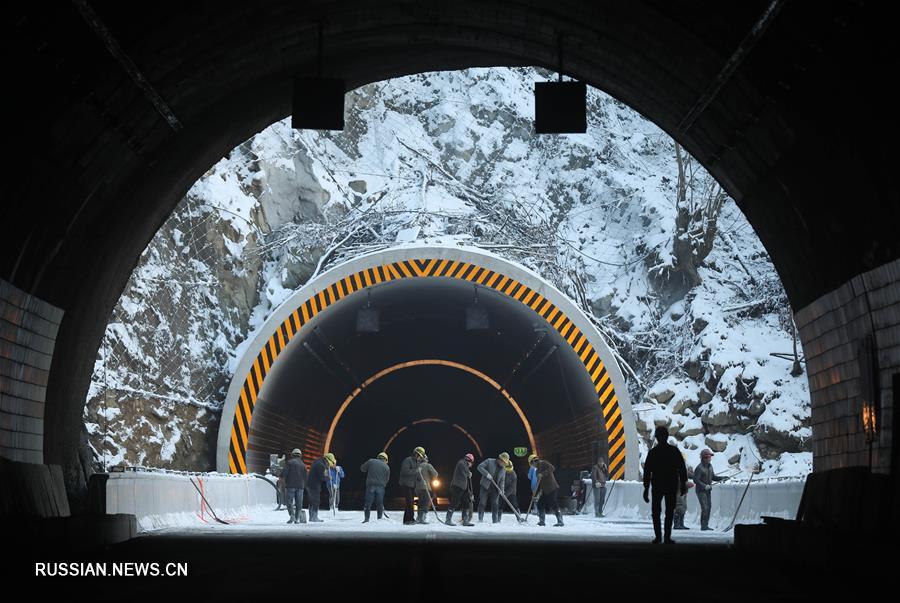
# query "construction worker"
(461, 490)
(377, 475)
(337, 474)
(276, 469)
(318, 475)
(665, 470)
(493, 473)
(599, 475)
(294, 475)
(509, 488)
(681, 504)
(409, 475)
(704, 477)
(424, 491)
(548, 487)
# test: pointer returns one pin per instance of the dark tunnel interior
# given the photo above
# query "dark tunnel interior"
(443, 407)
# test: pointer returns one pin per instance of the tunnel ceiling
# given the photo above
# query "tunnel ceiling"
(426, 319)
(791, 118)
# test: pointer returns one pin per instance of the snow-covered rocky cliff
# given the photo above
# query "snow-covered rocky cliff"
(619, 218)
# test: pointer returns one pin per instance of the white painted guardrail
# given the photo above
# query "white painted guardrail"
(163, 500)
(774, 498)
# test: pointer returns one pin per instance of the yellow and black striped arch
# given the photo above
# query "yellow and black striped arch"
(253, 381)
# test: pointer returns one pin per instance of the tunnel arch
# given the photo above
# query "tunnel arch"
(473, 265)
(433, 362)
(768, 123)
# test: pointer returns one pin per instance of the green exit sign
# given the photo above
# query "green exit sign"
(520, 451)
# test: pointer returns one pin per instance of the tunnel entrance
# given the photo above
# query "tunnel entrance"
(468, 352)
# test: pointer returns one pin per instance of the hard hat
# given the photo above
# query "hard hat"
(470, 458)
(383, 456)
(706, 452)
(331, 460)
(532, 458)
(296, 452)
(504, 456)
(419, 450)
(509, 466)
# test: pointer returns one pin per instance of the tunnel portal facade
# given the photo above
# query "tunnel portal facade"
(237, 451)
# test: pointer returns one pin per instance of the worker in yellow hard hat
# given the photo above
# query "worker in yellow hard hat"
(377, 475)
(409, 475)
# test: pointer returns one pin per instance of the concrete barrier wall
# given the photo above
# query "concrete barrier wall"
(774, 498)
(162, 500)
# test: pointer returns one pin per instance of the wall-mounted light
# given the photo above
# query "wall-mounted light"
(869, 393)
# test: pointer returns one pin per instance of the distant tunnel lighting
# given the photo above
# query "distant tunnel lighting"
(560, 107)
(318, 103)
(436, 483)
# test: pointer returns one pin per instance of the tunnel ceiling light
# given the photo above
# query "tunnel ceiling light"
(477, 316)
(560, 107)
(368, 319)
(318, 102)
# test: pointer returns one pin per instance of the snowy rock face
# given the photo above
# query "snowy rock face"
(618, 218)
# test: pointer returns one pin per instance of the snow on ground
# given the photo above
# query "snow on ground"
(348, 524)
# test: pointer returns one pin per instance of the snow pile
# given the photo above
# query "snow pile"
(630, 228)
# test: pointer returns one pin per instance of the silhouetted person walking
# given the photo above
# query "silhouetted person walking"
(665, 470)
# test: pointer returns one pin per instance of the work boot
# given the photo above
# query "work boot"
(656, 540)
(301, 516)
(541, 517)
(669, 541)
(449, 518)
(706, 529)
(467, 520)
(480, 516)
(366, 515)
(559, 522)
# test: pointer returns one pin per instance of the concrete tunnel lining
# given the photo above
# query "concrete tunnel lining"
(302, 309)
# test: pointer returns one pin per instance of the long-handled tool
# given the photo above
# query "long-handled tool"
(738, 508)
(331, 501)
(268, 481)
(200, 492)
(519, 517)
(469, 513)
(611, 488)
(534, 497)
(428, 494)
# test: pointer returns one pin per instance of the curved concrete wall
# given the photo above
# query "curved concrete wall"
(774, 498)
(241, 381)
(163, 500)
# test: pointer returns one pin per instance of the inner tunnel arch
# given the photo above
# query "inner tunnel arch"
(299, 314)
(458, 428)
(431, 362)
